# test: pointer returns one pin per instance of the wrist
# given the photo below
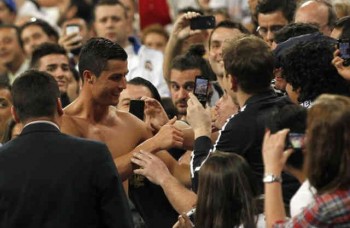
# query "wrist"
(272, 178)
(202, 132)
(164, 180)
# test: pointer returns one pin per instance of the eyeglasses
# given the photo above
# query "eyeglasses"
(273, 29)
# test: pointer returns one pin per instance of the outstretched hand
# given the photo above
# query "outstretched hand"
(182, 26)
(169, 136)
(155, 115)
(71, 41)
(151, 167)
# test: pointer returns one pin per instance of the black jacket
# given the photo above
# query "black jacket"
(49, 179)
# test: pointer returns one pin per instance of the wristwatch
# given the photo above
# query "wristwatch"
(270, 178)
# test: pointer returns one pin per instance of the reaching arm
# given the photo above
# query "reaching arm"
(181, 198)
(274, 158)
(167, 137)
(173, 48)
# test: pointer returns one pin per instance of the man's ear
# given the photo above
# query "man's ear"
(14, 114)
(59, 107)
(88, 77)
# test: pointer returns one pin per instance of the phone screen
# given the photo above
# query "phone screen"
(295, 140)
(137, 108)
(72, 29)
(201, 89)
(202, 22)
(344, 48)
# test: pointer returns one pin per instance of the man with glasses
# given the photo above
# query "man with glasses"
(273, 15)
(318, 12)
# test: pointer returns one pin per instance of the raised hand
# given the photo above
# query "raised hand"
(198, 117)
(169, 136)
(151, 167)
(344, 71)
(155, 115)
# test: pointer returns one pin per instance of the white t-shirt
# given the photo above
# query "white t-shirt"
(147, 64)
(303, 197)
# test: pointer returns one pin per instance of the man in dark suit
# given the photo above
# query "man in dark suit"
(49, 179)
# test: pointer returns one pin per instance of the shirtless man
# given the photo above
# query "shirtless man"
(103, 66)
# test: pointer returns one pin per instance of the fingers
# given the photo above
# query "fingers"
(336, 53)
(287, 153)
(190, 15)
(172, 121)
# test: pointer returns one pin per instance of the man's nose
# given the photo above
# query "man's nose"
(183, 93)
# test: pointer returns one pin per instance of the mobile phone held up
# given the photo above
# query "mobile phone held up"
(201, 89)
(344, 48)
(137, 108)
(295, 140)
(202, 22)
(72, 28)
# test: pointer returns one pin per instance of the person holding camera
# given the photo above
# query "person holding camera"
(326, 166)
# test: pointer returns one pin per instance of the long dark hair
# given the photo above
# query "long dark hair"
(226, 193)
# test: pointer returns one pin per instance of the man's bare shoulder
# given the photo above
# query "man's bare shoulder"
(132, 120)
(71, 123)
(71, 126)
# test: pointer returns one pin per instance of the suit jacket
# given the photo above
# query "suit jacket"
(49, 179)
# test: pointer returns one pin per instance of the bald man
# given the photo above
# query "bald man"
(319, 12)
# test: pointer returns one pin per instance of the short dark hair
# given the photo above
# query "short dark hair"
(308, 68)
(138, 81)
(95, 54)
(5, 85)
(293, 117)
(343, 24)
(229, 25)
(287, 7)
(293, 30)
(44, 50)
(193, 59)
(250, 60)
(46, 27)
(109, 3)
(35, 94)
(83, 9)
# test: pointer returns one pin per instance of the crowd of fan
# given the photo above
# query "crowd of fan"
(271, 146)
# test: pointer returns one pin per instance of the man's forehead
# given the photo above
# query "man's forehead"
(106, 10)
(54, 59)
(224, 33)
(8, 31)
(273, 18)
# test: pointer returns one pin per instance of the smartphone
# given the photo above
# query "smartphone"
(201, 89)
(295, 140)
(72, 28)
(202, 22)
(191, 214)
(137, 108)
(344, 48)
